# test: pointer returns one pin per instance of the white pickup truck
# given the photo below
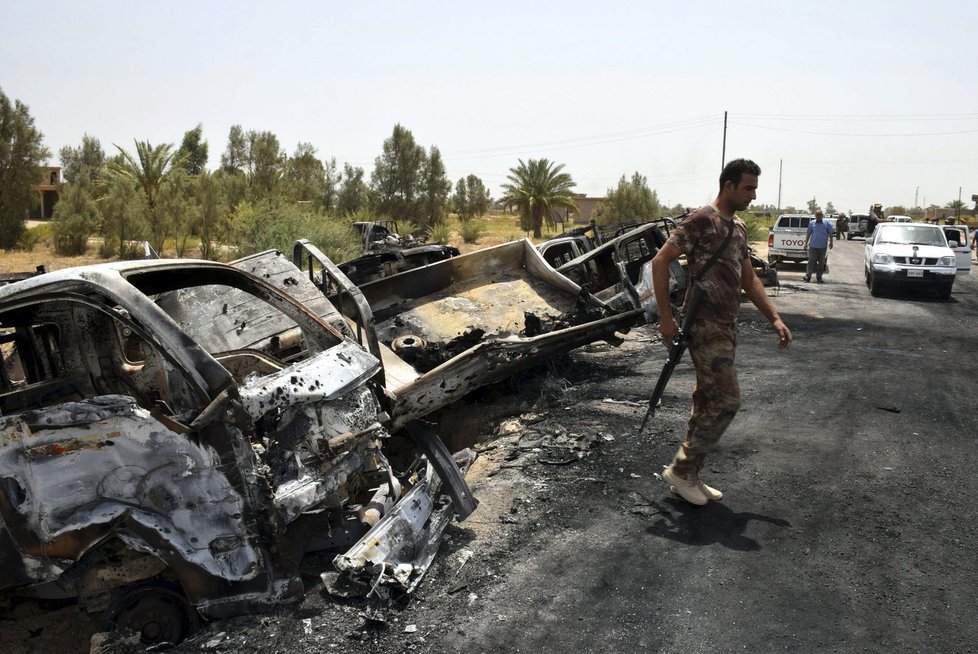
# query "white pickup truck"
(786, 239)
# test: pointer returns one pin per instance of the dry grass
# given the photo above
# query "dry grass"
(44, 255)
(498, 228)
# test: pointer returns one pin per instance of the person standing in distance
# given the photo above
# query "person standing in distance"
(819, 237)
(713, 338)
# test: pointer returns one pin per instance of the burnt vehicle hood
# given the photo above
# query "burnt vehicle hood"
(322, 378)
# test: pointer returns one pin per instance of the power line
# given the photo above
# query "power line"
(876, 135)
(859, 117)
(564, 144)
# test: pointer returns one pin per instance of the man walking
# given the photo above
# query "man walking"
(842, 226)
(714, 241)
(817, 241)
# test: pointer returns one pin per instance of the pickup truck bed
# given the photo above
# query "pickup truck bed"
(786, 240)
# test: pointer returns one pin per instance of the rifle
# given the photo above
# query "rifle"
(676, 350)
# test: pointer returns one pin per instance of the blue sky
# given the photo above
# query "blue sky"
(862, 101)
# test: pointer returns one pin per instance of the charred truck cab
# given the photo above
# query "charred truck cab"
(176, 435)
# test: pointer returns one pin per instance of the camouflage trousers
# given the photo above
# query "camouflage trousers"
(716, 399)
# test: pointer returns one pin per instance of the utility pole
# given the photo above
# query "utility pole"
(915, 197)
(723, 154)
(957, 212)
(780, 168)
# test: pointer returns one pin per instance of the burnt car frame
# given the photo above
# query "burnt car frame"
(177, 435)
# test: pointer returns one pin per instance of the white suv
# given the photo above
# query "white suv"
(909, 254)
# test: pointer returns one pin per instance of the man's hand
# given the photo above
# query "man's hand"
(669, 329)
(784, 334)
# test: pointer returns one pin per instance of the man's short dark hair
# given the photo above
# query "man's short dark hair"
(734, 171)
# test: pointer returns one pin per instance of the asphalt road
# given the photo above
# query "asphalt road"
(849, 518)
(848, 522)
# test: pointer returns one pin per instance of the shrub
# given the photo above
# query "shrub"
(31, 237)
(440, 234)
(276, 224)
(471, 230)
(756, 226)
(76, 217)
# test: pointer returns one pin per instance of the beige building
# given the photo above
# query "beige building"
(586, 208)
(49, 192)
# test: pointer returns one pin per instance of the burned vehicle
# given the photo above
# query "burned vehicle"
(177, 435)
(619, 271)
(390, 262)
(445, 329)
(386, 252)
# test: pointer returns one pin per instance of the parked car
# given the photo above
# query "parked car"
(786, 238)
(900, 219)
(858, 225)
(909, 255)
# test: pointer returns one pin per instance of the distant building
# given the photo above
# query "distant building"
(586, 208)
(49, 191)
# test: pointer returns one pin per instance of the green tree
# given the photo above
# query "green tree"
(331, 185)
(193, 151)
(124, 218)
(76, 217)
(148, 169)
(434, 189)
(396, 175)
(898, 210)
(22, 152)
(86, 162)
(630, 201)
(537, 188)
(236, 154)
(354, 194)
(265, 163)
(209, 203)
(233, 189)
(259, 156)
(471, 198)
(813, 205)
(955, 204)
(829, 208)
(305, 176)
(178, 211)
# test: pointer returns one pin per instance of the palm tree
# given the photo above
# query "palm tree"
(536, 188)
(148, 169)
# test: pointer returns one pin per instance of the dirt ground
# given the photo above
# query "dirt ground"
(847, 523)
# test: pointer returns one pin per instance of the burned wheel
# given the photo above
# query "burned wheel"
(158, 611)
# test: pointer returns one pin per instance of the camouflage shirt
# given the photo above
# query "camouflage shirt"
(699, 236)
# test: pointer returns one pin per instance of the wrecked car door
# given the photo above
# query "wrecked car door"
(958, 240)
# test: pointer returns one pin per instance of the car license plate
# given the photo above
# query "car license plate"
(915, 273)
